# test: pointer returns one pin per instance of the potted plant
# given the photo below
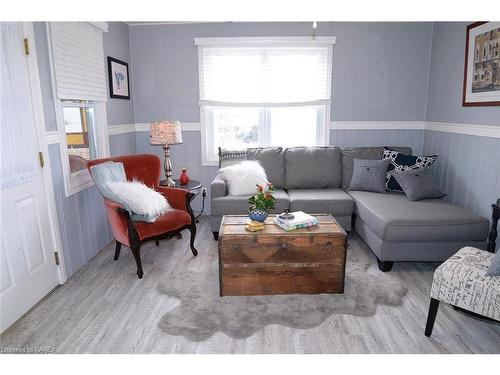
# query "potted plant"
(261, 202)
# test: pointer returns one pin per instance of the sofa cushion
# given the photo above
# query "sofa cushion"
(418, 184)
(314, 201)
(369, 175)
(243, 178)
(393, 218)
(367, 153)
(313, 167)
(401, 162)
(231, 157)
(238, 204)
(273, 161)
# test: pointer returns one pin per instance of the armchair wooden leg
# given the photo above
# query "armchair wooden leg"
(431, 316)
(157, 243)
(117, 250)
(192, 229)
(137, 256)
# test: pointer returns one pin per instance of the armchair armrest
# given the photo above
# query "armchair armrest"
(218, 187)
(119, 221)
(178, 198)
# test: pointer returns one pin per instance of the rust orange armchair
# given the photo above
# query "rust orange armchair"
(146, 168)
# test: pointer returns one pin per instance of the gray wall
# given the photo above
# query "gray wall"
(380, 70)
(82, 220)
(116, 44)
(42, 54)
(444, 101)
(468, 167)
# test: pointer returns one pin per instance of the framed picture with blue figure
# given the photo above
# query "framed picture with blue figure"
(118, 79)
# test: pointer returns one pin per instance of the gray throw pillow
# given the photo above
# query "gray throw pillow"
(494, 268)
(418, 184)
(369, 175)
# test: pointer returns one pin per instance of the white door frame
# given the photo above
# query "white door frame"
(36, 95)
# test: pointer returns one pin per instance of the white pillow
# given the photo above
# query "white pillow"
(140, 199)
(241, 178)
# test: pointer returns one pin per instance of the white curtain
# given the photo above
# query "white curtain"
(18, 162)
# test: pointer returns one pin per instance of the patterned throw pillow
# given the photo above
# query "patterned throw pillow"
(401, 163)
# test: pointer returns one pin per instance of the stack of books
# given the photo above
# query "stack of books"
(254, 226)
(300, 220)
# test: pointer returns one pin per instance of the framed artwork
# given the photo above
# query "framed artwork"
(118, 79)
(482, 65)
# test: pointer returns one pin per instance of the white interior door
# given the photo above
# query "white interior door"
(27, 263)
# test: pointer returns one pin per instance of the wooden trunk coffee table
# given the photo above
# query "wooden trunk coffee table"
(273, 261)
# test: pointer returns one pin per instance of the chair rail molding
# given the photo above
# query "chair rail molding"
(52, 137)
(492, 131)
(374, 125)
(121, 129)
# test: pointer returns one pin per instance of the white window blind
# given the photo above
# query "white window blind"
(78, 58)
(264, 92)
(276, 74)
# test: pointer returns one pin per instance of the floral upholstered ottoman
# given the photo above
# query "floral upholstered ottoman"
(462, 281)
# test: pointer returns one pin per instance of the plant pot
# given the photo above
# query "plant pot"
(257, 215)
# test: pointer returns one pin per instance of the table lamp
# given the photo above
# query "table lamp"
(166, 133)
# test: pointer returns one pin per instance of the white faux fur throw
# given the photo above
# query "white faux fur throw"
(140, 199)
(241, 178)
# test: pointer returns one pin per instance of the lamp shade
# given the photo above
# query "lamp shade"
(165, 132)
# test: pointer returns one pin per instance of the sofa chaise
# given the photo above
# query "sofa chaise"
(316, 180)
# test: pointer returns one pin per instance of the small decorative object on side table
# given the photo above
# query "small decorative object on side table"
(194, 187)
(166, 133)
(261, 203)
(184, 178)
(494, 223)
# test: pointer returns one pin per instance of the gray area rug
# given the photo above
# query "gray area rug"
(202, 312)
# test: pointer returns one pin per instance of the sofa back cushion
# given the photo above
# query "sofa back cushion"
(231, 157)
(313, 167)
(366, 153)
(273, 162)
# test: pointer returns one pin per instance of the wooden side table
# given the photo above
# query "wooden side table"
(494, 224)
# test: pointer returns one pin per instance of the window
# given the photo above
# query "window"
(79, 126)
(79, 83)
(264, 91)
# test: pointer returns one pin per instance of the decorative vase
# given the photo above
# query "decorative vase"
(184, 178)
(257, 215)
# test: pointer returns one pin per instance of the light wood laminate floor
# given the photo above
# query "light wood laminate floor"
(104, 308)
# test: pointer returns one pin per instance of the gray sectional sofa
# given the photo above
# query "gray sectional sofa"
(316, 180)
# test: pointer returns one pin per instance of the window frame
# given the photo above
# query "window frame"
(207, 130)
(80, 180)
